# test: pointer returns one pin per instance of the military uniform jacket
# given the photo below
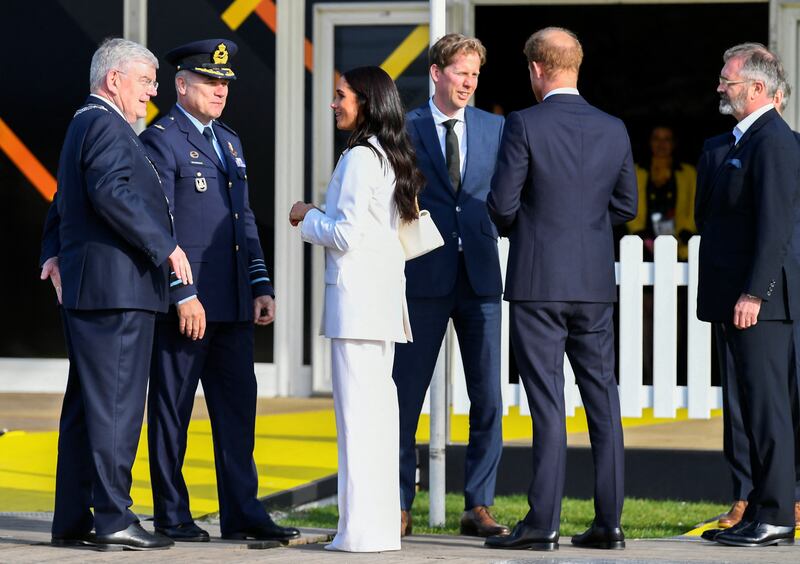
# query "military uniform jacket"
(746, 208)
(214, 224)
(109, 223)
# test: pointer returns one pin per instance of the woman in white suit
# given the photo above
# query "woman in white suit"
(373, 188)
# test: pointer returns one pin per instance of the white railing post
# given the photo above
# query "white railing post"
(438, 390)
(665, 326)
(630, 326)
(698, 337)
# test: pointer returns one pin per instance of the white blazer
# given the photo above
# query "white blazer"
(365, 284)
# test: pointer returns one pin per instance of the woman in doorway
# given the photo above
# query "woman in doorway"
(373, 188)
(666, 195)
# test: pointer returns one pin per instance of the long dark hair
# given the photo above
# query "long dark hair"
(380, 113)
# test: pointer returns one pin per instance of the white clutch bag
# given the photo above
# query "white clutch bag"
(419, 236)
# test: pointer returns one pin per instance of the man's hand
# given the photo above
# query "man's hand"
(745, 312)
(192, 319)
(180, 266)
(50, 270)
(263, 310)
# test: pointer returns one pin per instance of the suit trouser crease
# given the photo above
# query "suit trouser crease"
(477, 323)
(365, 405)
(223, 362)
(541, 332)
(101, 419)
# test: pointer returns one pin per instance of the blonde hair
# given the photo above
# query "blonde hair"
(442, 52)
(552, 56)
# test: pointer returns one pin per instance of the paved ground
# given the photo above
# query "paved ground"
(24, 538)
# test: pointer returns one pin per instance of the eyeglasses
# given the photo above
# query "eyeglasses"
(727, 82)
(144, 81)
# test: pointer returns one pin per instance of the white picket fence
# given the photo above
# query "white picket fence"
(665, 396)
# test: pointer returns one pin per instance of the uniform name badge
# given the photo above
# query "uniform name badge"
(200, 184)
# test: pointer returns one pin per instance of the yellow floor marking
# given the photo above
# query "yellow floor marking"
(291, 449)
(238, 11)
(407, 52)
(517, 427)
(715, 525)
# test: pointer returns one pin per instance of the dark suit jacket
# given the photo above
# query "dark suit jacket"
(564, 175)
(109, 223)
(462, 215)
(714, 151)
(748, 213)
(214, 224)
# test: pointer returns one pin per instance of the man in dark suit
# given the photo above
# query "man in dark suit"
(208, 335)
(747, 278)
(107, 240)
(456, 146)
(735, 443)
(564, 176)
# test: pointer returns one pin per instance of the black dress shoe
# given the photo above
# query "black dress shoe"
(185, 532)
(524, 536)
(132, 538)
(756, 534)
(711, 534)
(268, 531)
(82, 539)
(600, 537)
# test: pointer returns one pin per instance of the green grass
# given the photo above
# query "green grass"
(641, 518)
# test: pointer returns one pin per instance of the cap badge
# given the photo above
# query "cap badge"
(220, 56)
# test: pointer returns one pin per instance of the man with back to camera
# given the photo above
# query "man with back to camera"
(208, 335)
(456, 146)
(751, 96)
(564, 175)
(107, 239)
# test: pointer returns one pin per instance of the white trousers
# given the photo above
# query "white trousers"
(367, 435)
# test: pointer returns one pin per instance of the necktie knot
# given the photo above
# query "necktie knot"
(450, 124)
(208, 134)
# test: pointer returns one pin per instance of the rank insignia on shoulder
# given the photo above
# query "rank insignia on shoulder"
(158, 126)
(233, 151)
(194, 154)
(200, 184)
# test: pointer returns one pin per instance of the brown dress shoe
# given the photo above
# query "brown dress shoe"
(733, 516)
(405, 523)
(478, 522)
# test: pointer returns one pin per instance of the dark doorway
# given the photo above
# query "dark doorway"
(646, 64)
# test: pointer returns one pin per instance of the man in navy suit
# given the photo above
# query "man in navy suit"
(564, 176)
(456, 146)
(748, 280)
(107, 240)
(208, 335)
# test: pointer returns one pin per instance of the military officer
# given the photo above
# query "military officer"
(207, 335)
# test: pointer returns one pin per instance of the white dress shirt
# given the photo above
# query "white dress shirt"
(461, 132)
(565, 90)
(742, 127)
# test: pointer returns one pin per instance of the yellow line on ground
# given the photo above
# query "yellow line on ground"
(406, 52)
(235, 14)
(291, 449)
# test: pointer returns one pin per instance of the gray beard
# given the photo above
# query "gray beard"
(725, 108)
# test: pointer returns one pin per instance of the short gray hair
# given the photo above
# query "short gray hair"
(758, 63)
(116, 53)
